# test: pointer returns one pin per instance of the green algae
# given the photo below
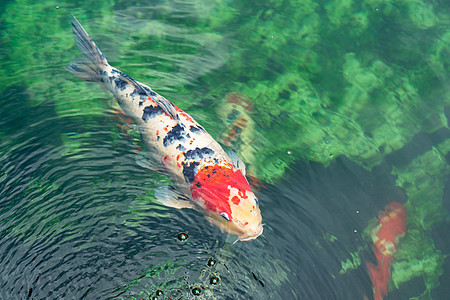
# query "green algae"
(340, 102)
(423, 181)
(352, 263)
(33, 42)
(417, 257)
(374, 106)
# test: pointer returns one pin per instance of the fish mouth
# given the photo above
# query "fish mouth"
(251, 236)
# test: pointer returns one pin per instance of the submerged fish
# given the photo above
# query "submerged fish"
(205, 177)
(385, 236)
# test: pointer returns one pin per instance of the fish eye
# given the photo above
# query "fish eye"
(225, 216)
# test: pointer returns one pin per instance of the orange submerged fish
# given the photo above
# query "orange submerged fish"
(205, 177)
(385, 236)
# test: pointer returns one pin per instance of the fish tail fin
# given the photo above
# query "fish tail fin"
(86, 44)
(87, 68)
(84, 70)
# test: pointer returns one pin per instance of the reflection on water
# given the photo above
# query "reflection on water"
(337, 108)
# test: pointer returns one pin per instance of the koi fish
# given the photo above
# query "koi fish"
(385, 236)
(235, 110)
(240, 133)
(205, 177)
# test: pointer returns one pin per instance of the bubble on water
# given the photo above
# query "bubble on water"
(214, 280)
(211, 262)
(182, 237)
(57, 6)
(159, 293)
(196, 291)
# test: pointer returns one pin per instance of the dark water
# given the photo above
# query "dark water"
(345, 107)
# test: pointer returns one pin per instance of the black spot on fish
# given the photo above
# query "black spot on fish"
(196, 129)
(237, 129)
(139, 93)
(176, 134)
(198, 153)
(181, 147)
(189, 171)
(234, 114)
(141, 103)
(198, 184)
(151, 111)
(120, 84)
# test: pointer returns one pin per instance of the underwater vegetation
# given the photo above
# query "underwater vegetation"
(276, 81)
(356, 60)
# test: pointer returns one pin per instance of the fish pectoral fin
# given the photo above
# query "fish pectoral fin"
(169, 196)
(237, 162)
(145, 162)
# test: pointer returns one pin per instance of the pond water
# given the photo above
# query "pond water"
(339, 108)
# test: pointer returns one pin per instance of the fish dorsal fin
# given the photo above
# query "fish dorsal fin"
(169, 196)
(162, 102)
(166, 105)
(237, 162)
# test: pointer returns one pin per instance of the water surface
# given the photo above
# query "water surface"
(340, 107)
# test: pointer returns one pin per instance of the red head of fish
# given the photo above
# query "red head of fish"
(228, 200)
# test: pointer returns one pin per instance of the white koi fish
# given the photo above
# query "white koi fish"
(205, 177)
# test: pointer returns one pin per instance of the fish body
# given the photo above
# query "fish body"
(385, 236)
(205, 176)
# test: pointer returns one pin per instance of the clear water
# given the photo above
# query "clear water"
(345, 106)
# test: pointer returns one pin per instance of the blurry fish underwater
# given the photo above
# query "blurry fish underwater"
(386, 235)
(206, 178)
